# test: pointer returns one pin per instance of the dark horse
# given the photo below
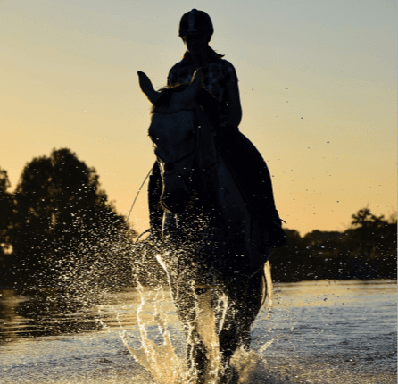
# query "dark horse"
(213, 250)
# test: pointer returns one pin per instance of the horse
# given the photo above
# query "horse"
(213, 249)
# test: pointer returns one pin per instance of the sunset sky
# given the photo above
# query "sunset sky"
(317, 81)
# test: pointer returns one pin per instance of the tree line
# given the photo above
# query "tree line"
(366, 250)
(58, 226)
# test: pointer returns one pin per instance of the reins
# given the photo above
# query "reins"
(138, 192)
(135, 200)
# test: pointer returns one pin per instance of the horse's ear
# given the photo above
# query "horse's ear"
(147, 87)
(194, 87)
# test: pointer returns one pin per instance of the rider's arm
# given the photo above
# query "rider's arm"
(234, 106)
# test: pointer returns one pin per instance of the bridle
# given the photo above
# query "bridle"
(169, 166)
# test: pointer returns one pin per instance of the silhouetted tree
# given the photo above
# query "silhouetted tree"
(5, 217)
(367, 225)
(59, 208)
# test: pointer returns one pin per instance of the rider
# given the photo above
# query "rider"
(245, 162)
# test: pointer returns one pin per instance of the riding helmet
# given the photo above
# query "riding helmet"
(195, 23)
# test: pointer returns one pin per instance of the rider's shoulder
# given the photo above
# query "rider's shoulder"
(229, 67)
(226, 67)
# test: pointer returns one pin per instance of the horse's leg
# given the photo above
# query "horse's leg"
(212, 313)
(228, 333)
(192, 310)
(228, 339)
(244, 304)
(249, 304)
(205, 353)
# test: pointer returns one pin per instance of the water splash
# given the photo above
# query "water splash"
(206, 326)
(160, 360)
(210, 311)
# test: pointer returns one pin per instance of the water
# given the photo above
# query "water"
(317, 332)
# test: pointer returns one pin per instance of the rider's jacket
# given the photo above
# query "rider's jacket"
(216, 73)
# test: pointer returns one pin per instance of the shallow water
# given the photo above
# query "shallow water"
(317, 332)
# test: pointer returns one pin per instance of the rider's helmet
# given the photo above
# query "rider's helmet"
(195, 23)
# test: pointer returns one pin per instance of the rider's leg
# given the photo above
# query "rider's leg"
(252, 175)
(259, 179)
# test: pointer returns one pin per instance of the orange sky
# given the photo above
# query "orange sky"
(317, 82)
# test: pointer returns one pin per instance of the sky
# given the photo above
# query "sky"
(317, 80)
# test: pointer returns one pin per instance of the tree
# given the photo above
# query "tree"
(5, 215)
(368, 225)
(60, 208)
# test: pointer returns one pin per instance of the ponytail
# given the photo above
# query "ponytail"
(215, 53)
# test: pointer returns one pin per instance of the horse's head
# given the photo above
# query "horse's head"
(172, 131)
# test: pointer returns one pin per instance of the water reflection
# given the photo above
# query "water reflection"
(50, 312)
(332, 292)
(46, 312)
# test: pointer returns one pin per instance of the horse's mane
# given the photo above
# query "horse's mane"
(204, 98)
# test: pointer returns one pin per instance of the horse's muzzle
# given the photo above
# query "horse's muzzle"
(176, 201)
